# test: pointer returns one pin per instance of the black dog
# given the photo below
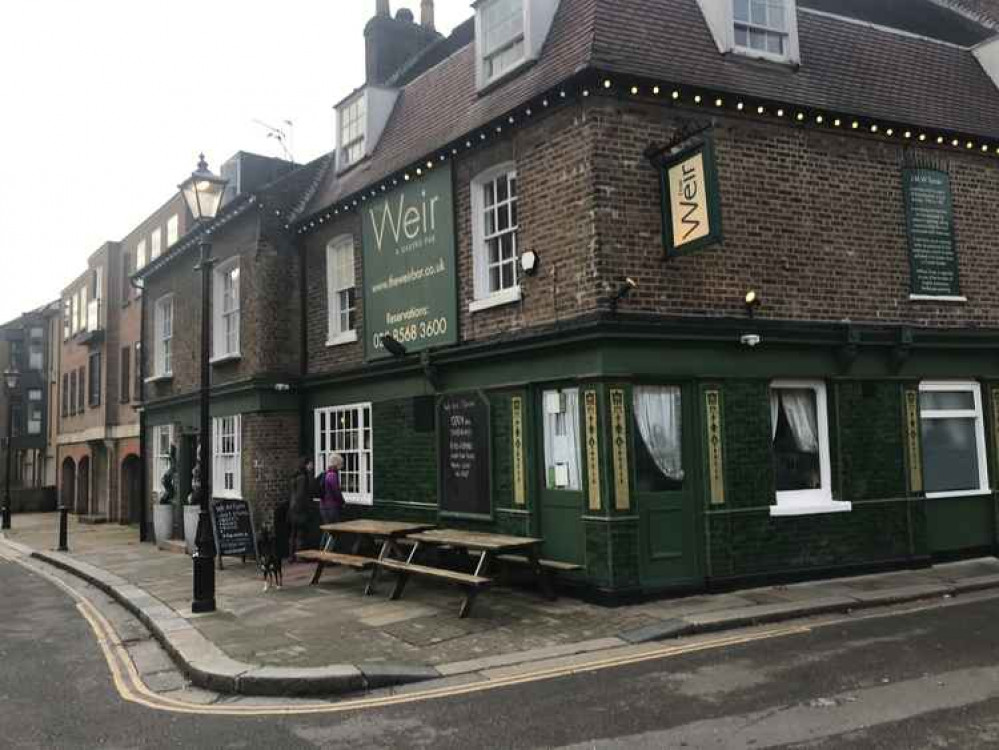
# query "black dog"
(269, 559)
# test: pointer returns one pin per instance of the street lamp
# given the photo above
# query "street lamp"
(10, 378)
(203, 192)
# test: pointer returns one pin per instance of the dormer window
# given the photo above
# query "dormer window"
(361, 120)
(766, 29)
(509, 34)
(502, 37)
(352, 127)
(761, 26)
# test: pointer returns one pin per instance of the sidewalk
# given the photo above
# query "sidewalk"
(331, 638)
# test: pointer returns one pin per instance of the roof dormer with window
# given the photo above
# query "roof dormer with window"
(509, 35)
(765, 29)
(361, 119)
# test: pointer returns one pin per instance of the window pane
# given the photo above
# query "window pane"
(947, 400)
(741, 10)
(758, 12)
(950, 454)
(490, 222)
(657, 415)
(562, 439)
(758, 39)
(741, 36)
(796, 440)
(503, 218)
(775, 44)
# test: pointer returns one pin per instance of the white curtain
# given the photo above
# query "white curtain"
(774, 405)
(562, 442)
(658, 415)
(800, 411)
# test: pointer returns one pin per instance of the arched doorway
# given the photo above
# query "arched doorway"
(131, 490)
(83, 487)
(67, 484)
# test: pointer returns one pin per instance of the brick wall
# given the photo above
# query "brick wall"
(814, 221)
(556, 214)
(269, 461)
(269, 311)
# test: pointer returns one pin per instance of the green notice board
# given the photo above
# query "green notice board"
(929, 208)
(410, 288)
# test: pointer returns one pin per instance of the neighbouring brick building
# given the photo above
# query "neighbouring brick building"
(99, 384)
(27, 347)
(699, 292)
(255, 347)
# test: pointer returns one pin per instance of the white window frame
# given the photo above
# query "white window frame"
(978, 414)
(163, 338)
(155, 243)
(227, 321)
(227, 470)
(519, 36)
(324, 421)
(172, 231)
(720, 18)
(484, 298)
(790, 12)
(809, 502)
(161, 461)
(352, 114)
(335, 286)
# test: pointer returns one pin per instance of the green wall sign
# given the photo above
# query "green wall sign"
(929, 209)
(410, 291)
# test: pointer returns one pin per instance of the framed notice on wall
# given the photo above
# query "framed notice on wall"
(691, 205)
(464, 455)
(929, 211)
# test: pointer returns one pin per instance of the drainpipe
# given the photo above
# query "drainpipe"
(303, 332)
(141, 396)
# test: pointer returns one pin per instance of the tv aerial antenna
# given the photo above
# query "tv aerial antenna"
(284, 136)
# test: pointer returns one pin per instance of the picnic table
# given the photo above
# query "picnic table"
(486, 545)
(386, 533)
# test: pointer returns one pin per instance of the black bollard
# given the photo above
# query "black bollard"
(63, 522)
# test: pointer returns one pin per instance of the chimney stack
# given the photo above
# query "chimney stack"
(382, 8)
(427, 15)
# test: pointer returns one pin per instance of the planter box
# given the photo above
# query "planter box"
(191, 514)
(162, 522)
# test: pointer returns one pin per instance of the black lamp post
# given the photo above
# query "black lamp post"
(203, 193)
(10, 378)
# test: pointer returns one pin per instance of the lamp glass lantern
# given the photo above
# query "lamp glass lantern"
(203, 192)
(10, 379)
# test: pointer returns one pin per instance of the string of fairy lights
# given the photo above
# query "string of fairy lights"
(690, 98)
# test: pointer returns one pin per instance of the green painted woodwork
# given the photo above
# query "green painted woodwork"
(560, 512)
(405, 461)
(669, 521)
(960, 523)
(871, 440)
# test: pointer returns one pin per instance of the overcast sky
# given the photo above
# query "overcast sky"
(107, 103)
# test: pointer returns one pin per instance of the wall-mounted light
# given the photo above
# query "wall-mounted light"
(529, 263)
(622, 291)
(393, 346)
(752, 302)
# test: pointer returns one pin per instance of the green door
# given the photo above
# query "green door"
(664, 479)
(561, 475)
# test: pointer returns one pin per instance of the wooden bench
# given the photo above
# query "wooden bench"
(548, 570)
(467, 581)
(323, 559)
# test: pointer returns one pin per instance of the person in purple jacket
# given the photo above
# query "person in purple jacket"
(331, 502)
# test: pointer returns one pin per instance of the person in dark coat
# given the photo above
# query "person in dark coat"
(299, 511)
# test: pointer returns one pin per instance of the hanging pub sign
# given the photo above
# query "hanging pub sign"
(929, 211)
(410, 292)
(691, 209)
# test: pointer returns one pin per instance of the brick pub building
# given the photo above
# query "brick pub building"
(699, 292)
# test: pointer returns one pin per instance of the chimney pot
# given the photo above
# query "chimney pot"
(427, 14)
(382, 8)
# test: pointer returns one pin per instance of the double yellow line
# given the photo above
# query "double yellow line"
(131, 688)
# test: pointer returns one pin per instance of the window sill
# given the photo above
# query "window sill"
(224, 358)
(485, 87)
(367, 501)
(936, 298)
(757, 54)
(347, 337)
(506, 297)
(159, 378)
(811, 509)
(957, 493)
